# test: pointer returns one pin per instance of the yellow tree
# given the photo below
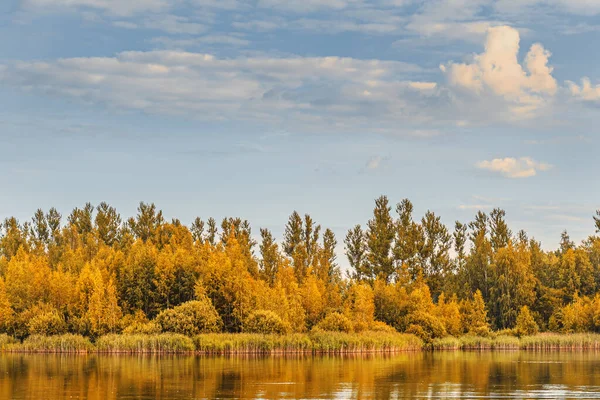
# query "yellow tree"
(6, 312)
(361, 306)
(312, 298)
(26, 280)
(449, 313)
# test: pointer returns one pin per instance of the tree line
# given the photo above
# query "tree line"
(95, 273)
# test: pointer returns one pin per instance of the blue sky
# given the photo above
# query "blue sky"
(257, 108)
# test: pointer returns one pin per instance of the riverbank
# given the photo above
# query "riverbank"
(309, 343)
(539, 342)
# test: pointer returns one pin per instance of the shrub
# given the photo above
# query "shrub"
(378, 326)
(46, 320)
(139, 323)
(335, 322)
(429, 327)
(266, 322)
(191, 318)
(481, 330)
(147, 328)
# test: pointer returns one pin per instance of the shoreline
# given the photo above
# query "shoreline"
(321, 343)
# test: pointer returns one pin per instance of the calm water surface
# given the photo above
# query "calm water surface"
(470, 375)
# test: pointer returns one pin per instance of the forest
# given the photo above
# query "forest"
(94, 273)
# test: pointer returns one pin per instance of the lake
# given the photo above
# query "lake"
(417, 375)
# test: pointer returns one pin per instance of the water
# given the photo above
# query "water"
(470, 375)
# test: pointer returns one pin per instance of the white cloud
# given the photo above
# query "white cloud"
(423, 85)
(117, 7)
(343, 93)
(586, 91)
(472, 31)
(523, 167)
(229, 40)
(581, 7)
(498, 71)
(305, 6)
(173, 24)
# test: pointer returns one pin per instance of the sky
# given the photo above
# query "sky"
(257, 108)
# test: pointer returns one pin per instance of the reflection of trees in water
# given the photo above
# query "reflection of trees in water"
(375, 376)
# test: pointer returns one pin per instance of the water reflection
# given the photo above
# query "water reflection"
(416, 375)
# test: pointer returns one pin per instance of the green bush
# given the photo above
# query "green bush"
(335, 322)
(265, 322)
(191, 318)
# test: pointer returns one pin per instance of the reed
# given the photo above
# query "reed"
(142, 343)
(446, 343)
(315, 342)
(6, 342)
(553, 341)
(67, 343)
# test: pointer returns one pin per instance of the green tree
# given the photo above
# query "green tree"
(356, 252)
(500, 235)
(434, 255)
(211, 234)
(270, 257)
(108, 224)
(81, 219)
(197, 230)
(477, 270)
(40, 229)
(379, 238)
(147, 223)
(409, 239)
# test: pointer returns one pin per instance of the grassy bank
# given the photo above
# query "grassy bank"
(223, 343)
(469, 342)
(52, 344)
(542, 342)
(553, 341)
(140, 343)
(310, 343)
(320, 342)
(6, 342)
